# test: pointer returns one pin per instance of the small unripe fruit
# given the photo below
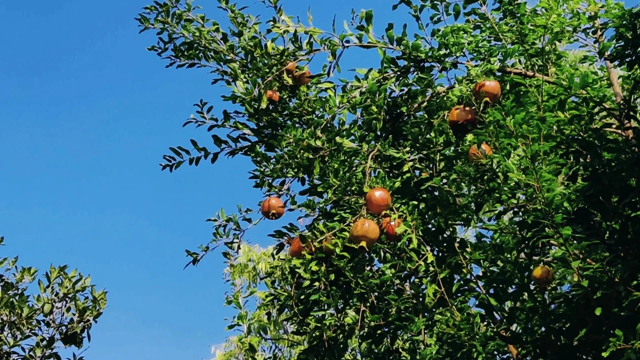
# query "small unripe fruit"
(542, 275)
(327, 245)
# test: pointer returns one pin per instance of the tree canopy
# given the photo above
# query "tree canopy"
(555, 183)
(60, 314)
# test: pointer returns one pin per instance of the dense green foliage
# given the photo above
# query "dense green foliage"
(561, 187)
(34, 326)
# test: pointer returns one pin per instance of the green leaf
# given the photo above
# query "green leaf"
(457, 10)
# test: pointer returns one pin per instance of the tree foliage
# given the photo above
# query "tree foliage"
(34, 326)
(560, 189)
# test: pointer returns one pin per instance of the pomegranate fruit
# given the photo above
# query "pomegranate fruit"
(542, 275)
(365, 233)
(378, 200)
(462, 119)
(488, 89)
(303, 77)
(389, 227)
(295, 248)
(476, 154)
(273, 95)
(326, 243)
(272, 208)
(290, 69)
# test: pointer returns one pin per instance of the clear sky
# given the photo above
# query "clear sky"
(85, 115)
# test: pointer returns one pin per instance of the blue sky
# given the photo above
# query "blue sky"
(85, 115)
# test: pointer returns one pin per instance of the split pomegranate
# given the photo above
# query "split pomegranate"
(378, 200)
(476, 154)
(272, 208)
(365, 233)
(462, 119)
(389, 227)
(273, 95)
(488, 89)
(542, 275)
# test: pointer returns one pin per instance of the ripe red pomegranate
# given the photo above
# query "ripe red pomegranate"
(488, 89)
(476, 154)
(462, 119)
(378, 200)
(389, 227)
(272, 208)
(365, 233)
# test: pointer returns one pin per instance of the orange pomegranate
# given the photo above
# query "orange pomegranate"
(462, 119)
(488, 89)
(303, 77)
(273, 95)
(272, 208)
(378, 200)
(476, 154)
(295, 248)
(389, 227)
(365, 233)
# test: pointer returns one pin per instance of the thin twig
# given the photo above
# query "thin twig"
(280, 339)
(428, 97)
(444, 292)
(368, 168)
(360, 316)
(616, 131)
(512, 349)
(519, 72)
(529, 74)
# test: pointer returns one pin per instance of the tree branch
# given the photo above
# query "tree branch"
(615, 83)
(613, 77)
(528, 74)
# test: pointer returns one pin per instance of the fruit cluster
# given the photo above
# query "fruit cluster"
(365, 232)
(299, 77)
(463, 119)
